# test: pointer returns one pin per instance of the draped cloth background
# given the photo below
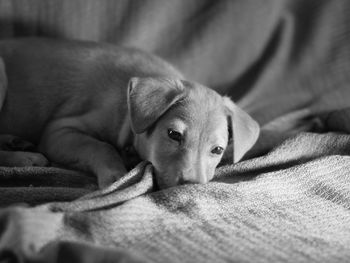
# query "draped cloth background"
(274, 57)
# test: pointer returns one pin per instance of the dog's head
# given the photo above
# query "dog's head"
(183, 128)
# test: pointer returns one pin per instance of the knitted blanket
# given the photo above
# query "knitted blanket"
(275, 58)
(291, 205)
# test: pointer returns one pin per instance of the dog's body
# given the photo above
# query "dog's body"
(82, 103)
(78, 78)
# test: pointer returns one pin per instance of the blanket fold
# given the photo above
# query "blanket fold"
(37, 185)
(295, 210)
(137, 182)
(276, 58)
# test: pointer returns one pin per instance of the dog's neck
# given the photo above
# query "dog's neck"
(125, 136)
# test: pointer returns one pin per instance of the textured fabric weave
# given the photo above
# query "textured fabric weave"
(291, 205)
(274, 57)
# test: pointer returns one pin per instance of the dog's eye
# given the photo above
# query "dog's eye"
(217, 150)
(174, 135)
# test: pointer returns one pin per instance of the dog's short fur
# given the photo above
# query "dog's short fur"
(83, 103)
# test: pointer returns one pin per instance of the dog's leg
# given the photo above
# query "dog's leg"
(16, 152)
(78, 150)
(21, 159)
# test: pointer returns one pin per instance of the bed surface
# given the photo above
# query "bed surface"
(273, 58)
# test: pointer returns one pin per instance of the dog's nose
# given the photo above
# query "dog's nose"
(192, 181)
(193, 177)
(184, 181)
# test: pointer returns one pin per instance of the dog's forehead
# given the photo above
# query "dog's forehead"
(203, 100)
(202, 93)
(202, 108)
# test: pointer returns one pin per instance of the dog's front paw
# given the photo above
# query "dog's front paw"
(22, 159)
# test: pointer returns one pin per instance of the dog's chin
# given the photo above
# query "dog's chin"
(161, 180)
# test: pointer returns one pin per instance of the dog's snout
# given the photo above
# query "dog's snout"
(196, 174)
(194, 180)
(184, 181)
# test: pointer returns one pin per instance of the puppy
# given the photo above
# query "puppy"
(84, 103)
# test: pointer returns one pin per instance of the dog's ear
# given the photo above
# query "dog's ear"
(244, 130)
(150, 98)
